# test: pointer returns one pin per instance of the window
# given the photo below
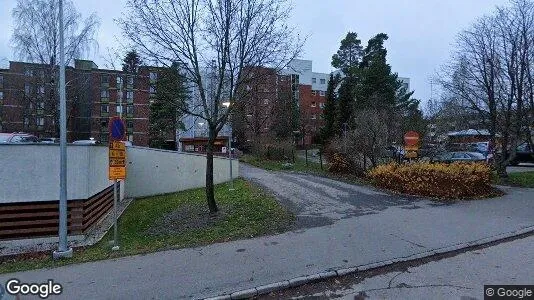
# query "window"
(266, 101)
(39, 121)
(40, 105)
(314, 92)
(153, 77)
(119, 109)
(321, 93)
(152, 89)
(1, 82)
(28, 72)
(1, 95)
(130, 137)
(104, 109)
(129, 124)
(26, 122)
(314, 80)
(321, 105)
(129, 80)
(27, 89)
(323, 81)
(104, 94)
(313, 117)
(119, 82)
(41, 89)
(104, 137)
(104, 79)
(313, 104)
(104, 124)
(129, 109)
(129, 96)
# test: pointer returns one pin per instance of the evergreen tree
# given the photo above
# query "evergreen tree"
(378, 86)
(131, 62)
(170, 96)
(330, 108)
(347, 59)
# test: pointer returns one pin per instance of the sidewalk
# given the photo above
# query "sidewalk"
(394, 233)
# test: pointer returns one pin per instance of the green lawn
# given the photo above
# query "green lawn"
(521, 179)
(298, 166)
(176, 221)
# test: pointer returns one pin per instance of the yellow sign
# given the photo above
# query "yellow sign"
(411, 148)
(117, 160)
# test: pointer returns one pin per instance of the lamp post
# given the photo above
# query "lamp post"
(63, 251)
(227, 105)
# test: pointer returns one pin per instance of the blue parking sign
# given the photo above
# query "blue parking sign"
(117, 129)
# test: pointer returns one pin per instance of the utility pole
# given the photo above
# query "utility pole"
(63, 251)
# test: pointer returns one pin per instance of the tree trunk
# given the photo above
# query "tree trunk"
(210, 191)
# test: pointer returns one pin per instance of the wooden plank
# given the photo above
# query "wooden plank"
(87, 224)
(96, 210)
(6, 207)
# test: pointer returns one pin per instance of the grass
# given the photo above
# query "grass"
(299, 165)
(144, 227)
(520, 179)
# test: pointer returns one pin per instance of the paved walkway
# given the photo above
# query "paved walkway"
(360, 226)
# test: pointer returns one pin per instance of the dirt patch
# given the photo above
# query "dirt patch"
(187, 218)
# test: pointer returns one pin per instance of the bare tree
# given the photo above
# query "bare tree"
(216, 44)
(490, 75)
(36, 39)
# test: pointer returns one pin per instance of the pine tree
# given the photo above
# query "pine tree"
(131, 62)
(347, 59)
(330, 108)
(165, 109)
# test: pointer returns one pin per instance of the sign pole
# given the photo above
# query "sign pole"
(115, 230)
(117, 168)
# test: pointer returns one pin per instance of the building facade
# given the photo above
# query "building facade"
(311, 98)
(29, 101)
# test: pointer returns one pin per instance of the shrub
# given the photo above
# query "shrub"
(339, 164)
(447, 181)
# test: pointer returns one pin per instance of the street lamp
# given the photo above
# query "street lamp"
(227, 105)
(63, 251)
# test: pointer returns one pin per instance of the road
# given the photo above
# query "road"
(321, 201)
(341, 226)
(459, 277)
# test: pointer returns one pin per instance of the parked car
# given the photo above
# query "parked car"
(524, 153)
(49, 140)
(17, 138)
(86, 142)
(459, 156)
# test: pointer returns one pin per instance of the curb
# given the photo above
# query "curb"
(301, 280)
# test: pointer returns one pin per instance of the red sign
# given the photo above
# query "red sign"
(411, 138)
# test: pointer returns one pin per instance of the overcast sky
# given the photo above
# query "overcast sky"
(421, 32)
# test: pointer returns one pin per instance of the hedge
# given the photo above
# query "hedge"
(445, 181)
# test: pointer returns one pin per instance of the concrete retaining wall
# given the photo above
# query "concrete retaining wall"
(30, 173)
(153, 171)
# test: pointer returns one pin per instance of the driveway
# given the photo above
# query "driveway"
(320, 201)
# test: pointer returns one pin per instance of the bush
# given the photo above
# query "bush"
(339, 164)
(448, 181)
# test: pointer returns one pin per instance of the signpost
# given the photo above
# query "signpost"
(117, 166)
(411, 144)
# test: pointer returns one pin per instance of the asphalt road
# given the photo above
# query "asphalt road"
(321, 201)
(460, 277)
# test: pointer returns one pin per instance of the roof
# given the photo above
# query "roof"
(483, 132)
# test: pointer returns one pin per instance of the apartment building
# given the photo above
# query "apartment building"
(28, 100)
